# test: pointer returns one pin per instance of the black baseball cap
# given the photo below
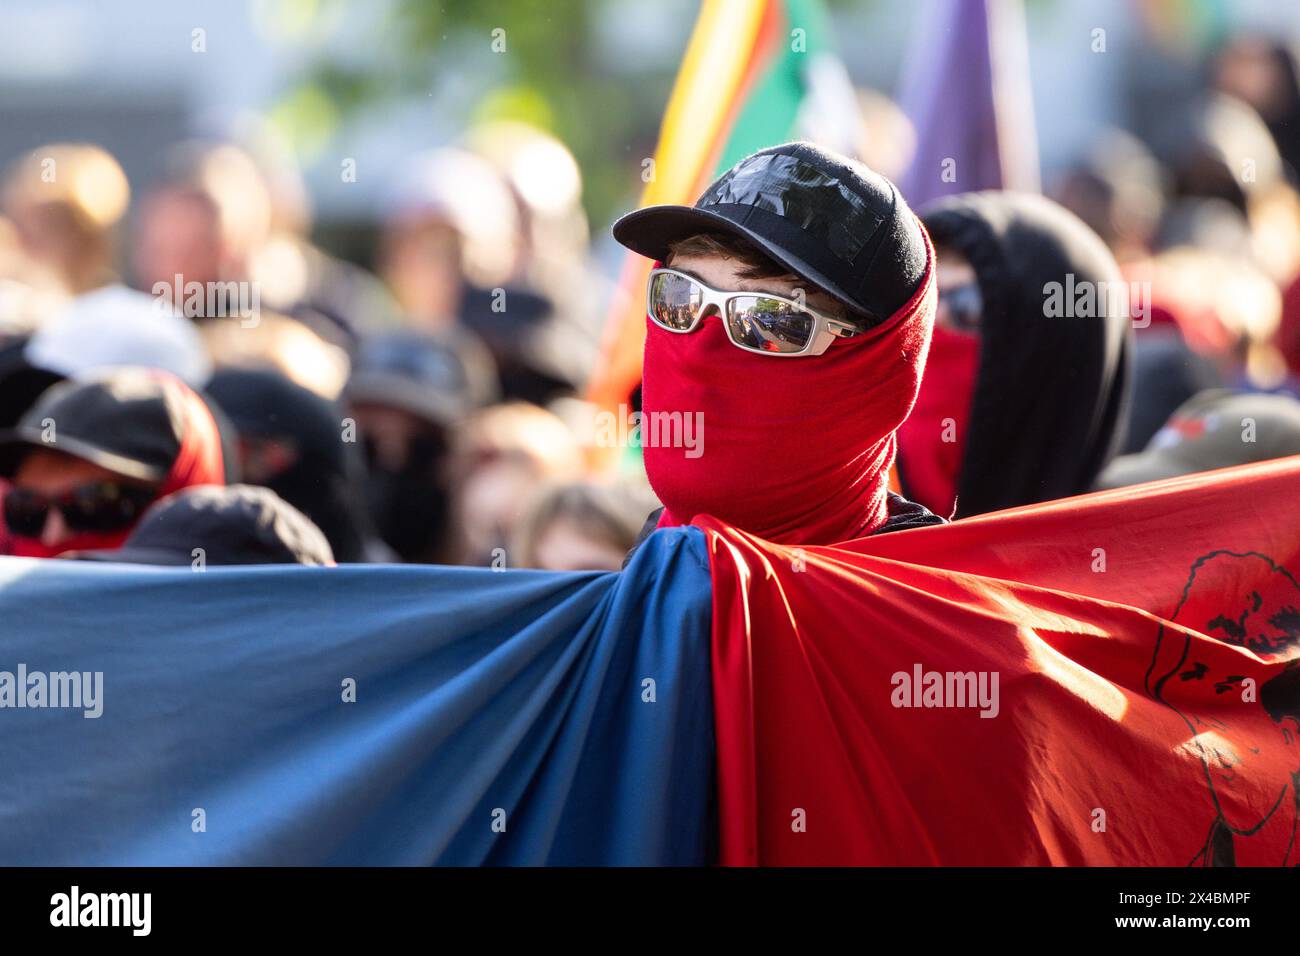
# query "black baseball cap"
(825, 217)
(232, 524)
(130, 421)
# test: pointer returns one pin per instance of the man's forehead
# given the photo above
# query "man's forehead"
(722, 272)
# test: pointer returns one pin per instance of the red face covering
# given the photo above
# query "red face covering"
(932, 464)
(198, 462)
(795, 450)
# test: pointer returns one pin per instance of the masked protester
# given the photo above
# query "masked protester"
(787, 327)
(1026, 384)
(407, 391)
(89, 457)
(293, 442)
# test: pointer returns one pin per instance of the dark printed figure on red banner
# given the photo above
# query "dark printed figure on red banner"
(1252, 781)
(1144, 716)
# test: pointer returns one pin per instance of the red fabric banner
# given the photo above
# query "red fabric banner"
(1112, 679)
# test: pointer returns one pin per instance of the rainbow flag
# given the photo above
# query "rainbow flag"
(756, 73)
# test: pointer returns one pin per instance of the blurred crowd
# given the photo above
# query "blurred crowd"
(156, 349)
(1141, 322)
(426, 413)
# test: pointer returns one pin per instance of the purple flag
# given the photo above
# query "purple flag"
(965, 87)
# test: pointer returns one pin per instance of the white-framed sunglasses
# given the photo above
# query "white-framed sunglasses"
(755, 321)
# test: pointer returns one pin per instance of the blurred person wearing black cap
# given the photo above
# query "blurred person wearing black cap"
(88, 458)
(788, 318)
(297, 443)
(1217, 428)
(1026, 385)
(210, 525)
(24, 377)
(407, 392)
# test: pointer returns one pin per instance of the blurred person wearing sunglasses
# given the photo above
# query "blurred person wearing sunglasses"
(791, 313)
(1019, 403)
(86, 461)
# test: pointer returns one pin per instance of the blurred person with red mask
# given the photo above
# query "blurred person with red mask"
(787, 326)
(1026, 384)
(86, 461)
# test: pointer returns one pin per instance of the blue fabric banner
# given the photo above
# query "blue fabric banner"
(518, 717)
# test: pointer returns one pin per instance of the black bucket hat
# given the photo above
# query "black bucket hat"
(826, 218)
